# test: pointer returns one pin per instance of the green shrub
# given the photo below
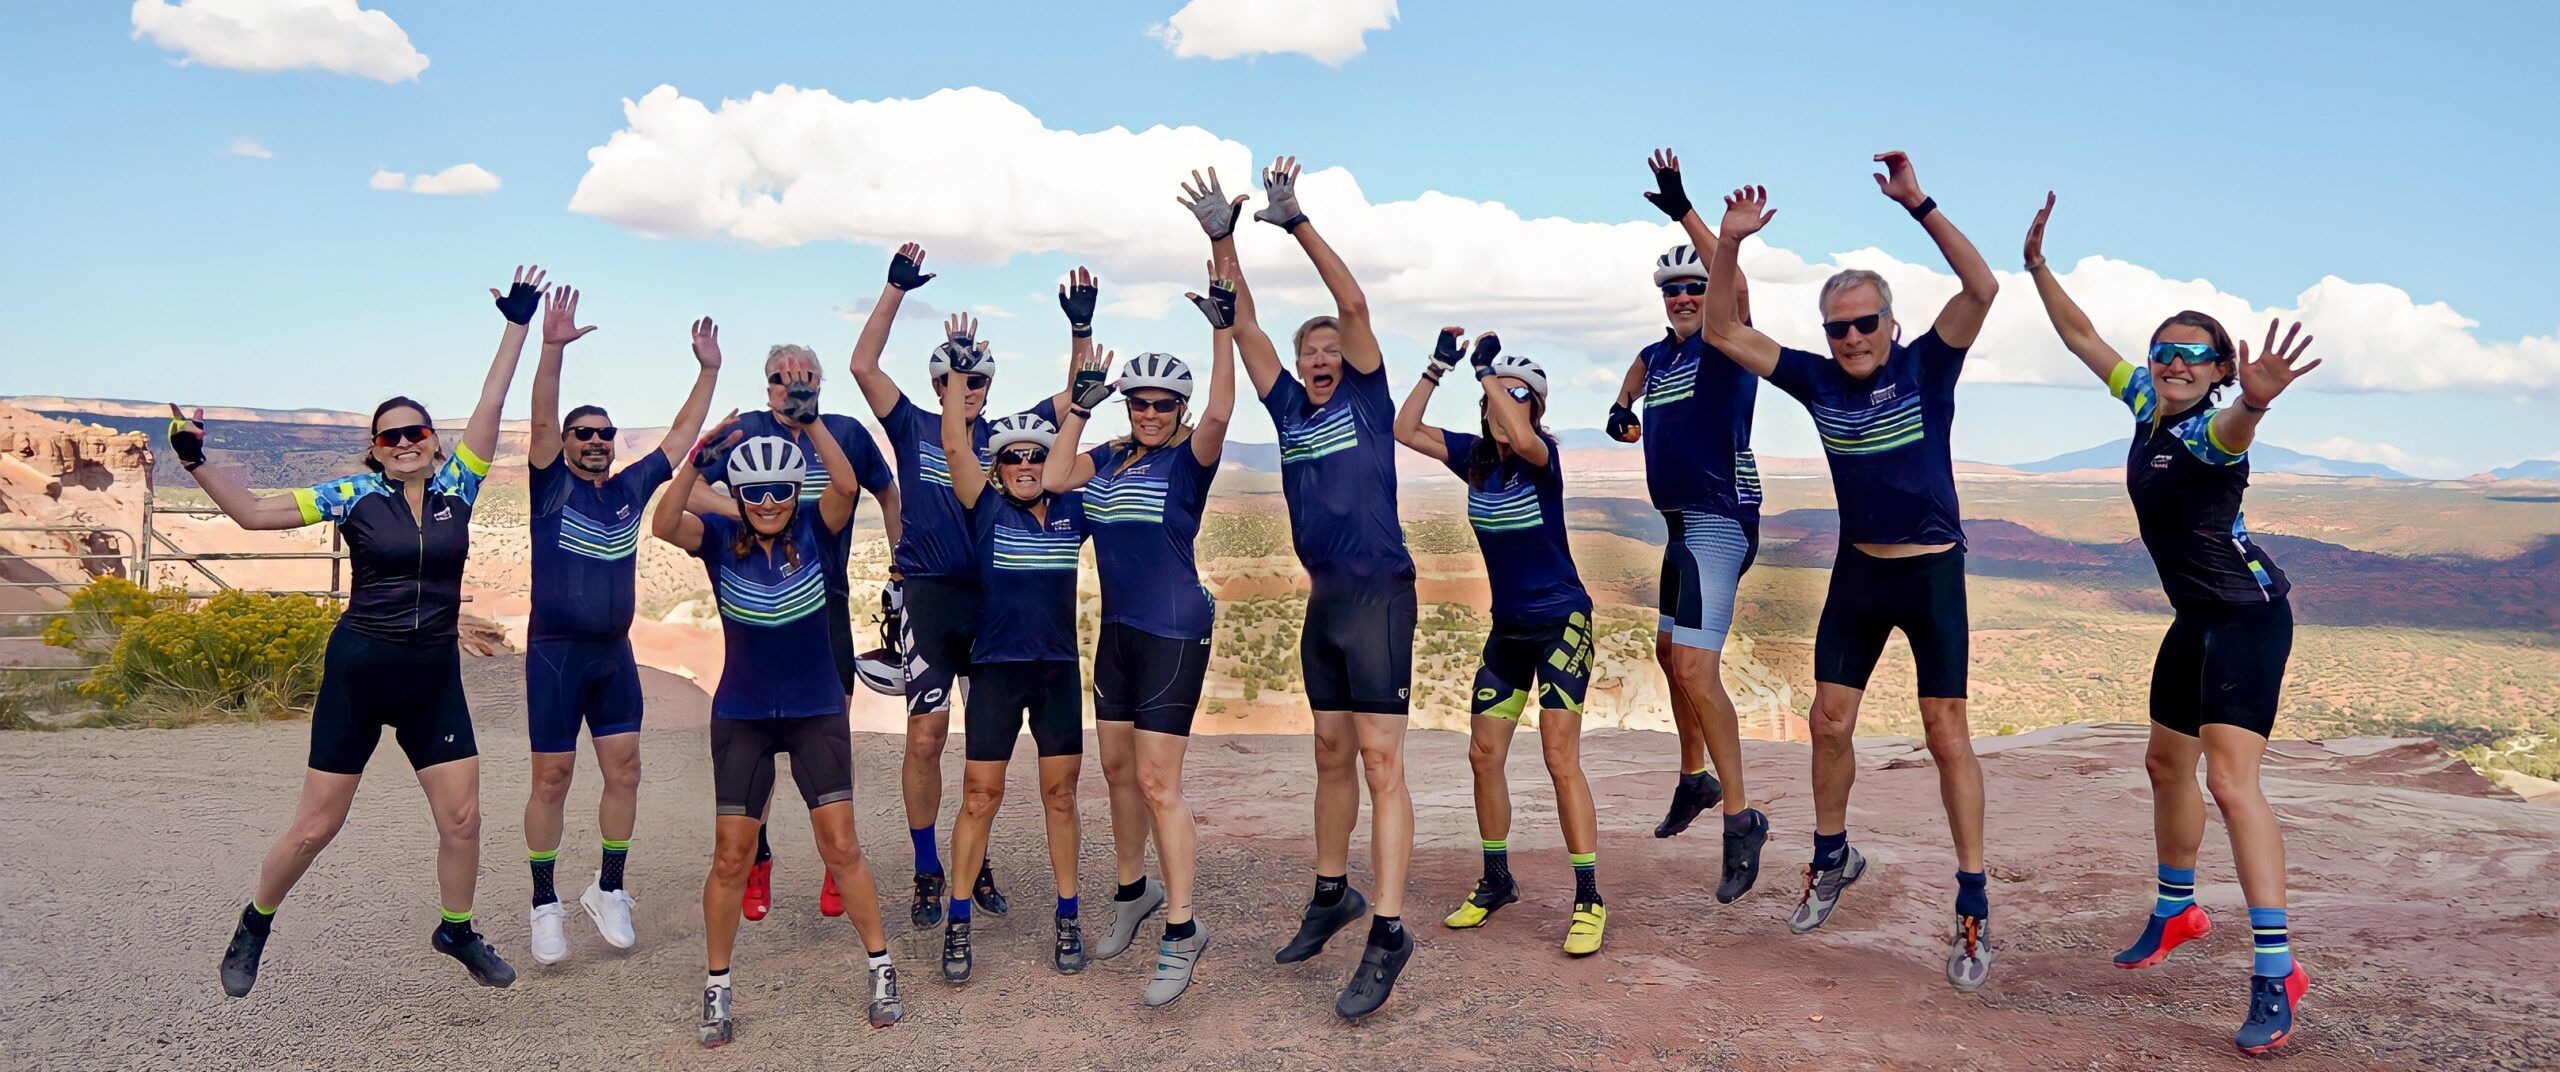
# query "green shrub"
(238, 654)
(100, 611)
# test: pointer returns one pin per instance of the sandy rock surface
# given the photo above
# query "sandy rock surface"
(2420, 902)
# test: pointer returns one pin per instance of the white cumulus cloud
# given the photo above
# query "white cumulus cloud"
(456, 180)
(281, 35)
(250, 148)
(978, 179)
(1326, 31)
(388, 180)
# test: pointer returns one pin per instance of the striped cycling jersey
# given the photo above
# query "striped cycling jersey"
(777, 658)
(935, 536)
(1027, 564)
(1143, 510)
(1338, 474)
(1888, 439)
(868, 468)
(1517, 510)
(585, 538)
(1697, 428)
(2186, 491)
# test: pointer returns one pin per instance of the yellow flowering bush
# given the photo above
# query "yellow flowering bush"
(239, 653)
(101, 609)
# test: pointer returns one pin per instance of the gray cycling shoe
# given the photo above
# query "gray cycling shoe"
(1969, 953)
(1125, 919)
(1174, 964)
(1822, 891)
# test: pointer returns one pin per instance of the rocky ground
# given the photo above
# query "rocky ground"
(2421, 908)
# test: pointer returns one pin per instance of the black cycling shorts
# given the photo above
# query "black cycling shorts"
(1871, 597)
(1554, 655)
(939, 625)
(840, 642)
(742, 751)
(1149, 680)
(413, 687)
(568, 683)
(2223, 666)
(1049, 694)
(1356, 648)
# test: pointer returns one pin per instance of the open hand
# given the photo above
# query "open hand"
(1898, 181)
(2035, 234)
(560, 317)
(717, 441)
(706, 343)
(1746, 211)
(1076, 297)
(522, 295)
(1448, 349)
(906, 268)
(1093, 380)
(1671, 197)
(2277, 366)
(1208, 203)
(961, 329)
(1280, 187)
(1219, 305)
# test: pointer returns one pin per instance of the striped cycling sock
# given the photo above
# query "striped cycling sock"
(615, 854)
(2177, 891)
(1586, 877)
(542, 861)
(2275, 947)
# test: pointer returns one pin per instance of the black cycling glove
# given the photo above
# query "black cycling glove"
(520, 302)
(906, 274)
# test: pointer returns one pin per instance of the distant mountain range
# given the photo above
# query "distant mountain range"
(2529, 469)
(2263, 457)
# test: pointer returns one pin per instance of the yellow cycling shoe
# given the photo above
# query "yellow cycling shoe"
(1589, 922)
(1481, 905)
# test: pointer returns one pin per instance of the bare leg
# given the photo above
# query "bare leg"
(832, 826)
(1177, 840)
(1129, 803)
(1381, 740)
(1337, 790)
(1697, 679)
(618, 810)
(1488, 746)
(982, 790)
(543, 806)
(453, 795)
(1835, 762)
(733, 851)
(1950, 739)
(2231, 757)
(2177, 806)
(1560, 738)
(317, 818)
(920, 776)
(1684, 712)
(1058, 804)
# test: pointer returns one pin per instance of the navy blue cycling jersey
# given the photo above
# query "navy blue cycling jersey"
(1144, 516)
(586, 538)
(868, 469)
(1887, 437)
(935, 540)
(1029, 613)
(1517, 510)
(777, 659)
(1338, 473)
(1697, 428)
(407, 582)
(2186, 500)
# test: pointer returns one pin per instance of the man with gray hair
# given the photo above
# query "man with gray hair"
(1885, 412)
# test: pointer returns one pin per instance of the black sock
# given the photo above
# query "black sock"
(1130, 891)
(764, 846)
(1387, 931)
(1586, 885)
(456, 929)
(257, 922)
(1743, 822)
(1330, 888)
(615, 854)
(1175, 932)
(1497, 867)
(543, 891)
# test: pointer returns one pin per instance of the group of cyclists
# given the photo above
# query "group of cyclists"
(988, 515)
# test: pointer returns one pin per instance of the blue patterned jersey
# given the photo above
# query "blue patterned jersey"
(1338, 473)
(1887, 437)
(935, 540)
(868, 469)
(1517, 510)
(2186, 493)
(1028, 566)
(407, 582)
(586, 539)
(777, 661)
(1697, 428)
(1144, 516)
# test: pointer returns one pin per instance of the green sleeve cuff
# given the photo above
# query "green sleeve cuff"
(308, 500)
(478, 465)
(2117, 379)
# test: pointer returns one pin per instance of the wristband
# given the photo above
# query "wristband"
(1432, 374)
(1080, 413)
(1081, 332)
(1922, 210)
(1291, 224)
(191, 466)
(2253, 407)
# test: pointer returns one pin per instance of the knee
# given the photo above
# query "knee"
(313, 834)
(730, 862)
(1563, 754)
(1122, 770)
(1949, 739)
(2166, 770)
(1832, 725)
(1482, 756)
(979, 799)
(623, 775)
(551, 784)
(924, 745)
(839, 847)
(1162, 785)
(1384, 767)
(1334, 756)
(1059, 796)
(2230, 786)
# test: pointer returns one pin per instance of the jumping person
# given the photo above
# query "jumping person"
(392, 659)
(1541, 634)
(578, 666)
(779, 694)
(792, 378)
(1885, 412)
(2220, 671)
(1144, 495)
(1699, 469)
(934, 566)
(1023, 661)
(1337, 470)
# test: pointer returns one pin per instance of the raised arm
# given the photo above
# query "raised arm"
(959, 448)
(1067, 468)
(906, 272)
(1359, 339)
(1410, 428)
(246, 508)
(2277, 366)
(844, 484)
(1672, 197)
(1209, 428)
(559, 329)
(670, 520)
(1207, 202)
(1960, 321)
(523, 296)
(1076, 298)
(2078, 334)
(1745, 212)
(697, 402)
(1507, 414)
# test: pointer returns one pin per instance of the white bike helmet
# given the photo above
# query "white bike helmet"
(1019, 429)
(882, 669)
(1680, 263)
(766, 460)
(1161, 371)
(940, 363)
(1522, 369)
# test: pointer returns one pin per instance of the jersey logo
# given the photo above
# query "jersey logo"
(1307, 439)
(1884, 394)
(1488, 695)
(444, 513)
(1404, 694)
(2159, 461)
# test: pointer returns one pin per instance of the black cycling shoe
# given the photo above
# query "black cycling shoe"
(1320, 924)
(984, 892)
(1695, 793)
(1069, 956)
(926, 911)
(240, 959)
(955, 952)
(487, 968)
(1373, 980)
(1742, 858)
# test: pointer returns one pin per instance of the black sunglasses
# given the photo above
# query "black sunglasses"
(1153, 405)
(587, 432)
(403, 436)
(977, 381)
(1866, 325)
(1024, 456)
(1692, 288)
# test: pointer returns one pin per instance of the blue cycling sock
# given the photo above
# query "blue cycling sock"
(960, 909)
(2177, 890)
(2275, 947)
(1973, 894)
(928, 858)
(1830, 850)
(1066, 908)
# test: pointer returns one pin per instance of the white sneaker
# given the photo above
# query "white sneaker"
(611, 909)
(550, 946)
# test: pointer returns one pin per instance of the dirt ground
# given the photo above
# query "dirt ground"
(2422, 909)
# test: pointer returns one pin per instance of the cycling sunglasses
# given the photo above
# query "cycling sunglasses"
(1692, 288)
(587, 432)
(2193, 353)
(1518, 394)
(977, 381)
(767, 494)
(1023, 456)
(1866, 325)
(1153, 405)
(404, 435)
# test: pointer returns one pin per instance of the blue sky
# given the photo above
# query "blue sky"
(2246, 147)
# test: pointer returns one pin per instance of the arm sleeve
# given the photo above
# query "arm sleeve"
(651, 470)
(462, 473)
(1457, 445)
(2131, 384)
(545, 490)
(1284, 397)
(1369, 392)
(717, 533)
(1797, 372)
(2197, 434)
(1046, 409)
(330, 501)
(1192, 478)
